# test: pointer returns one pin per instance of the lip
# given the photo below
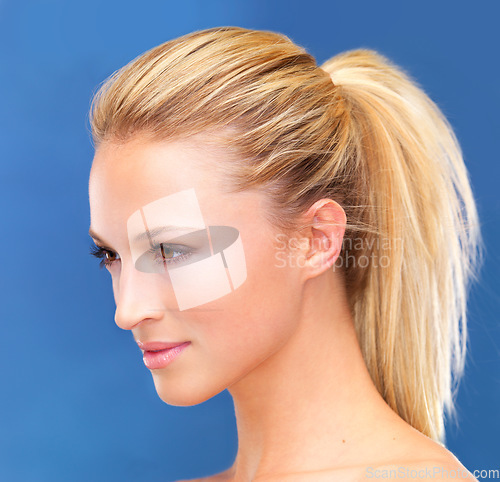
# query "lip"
(159, 345)
(160, 354)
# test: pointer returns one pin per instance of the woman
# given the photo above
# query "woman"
(301, 236)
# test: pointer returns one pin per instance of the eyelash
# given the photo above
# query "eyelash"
(102, 253)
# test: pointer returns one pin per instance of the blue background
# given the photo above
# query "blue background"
(76, 401)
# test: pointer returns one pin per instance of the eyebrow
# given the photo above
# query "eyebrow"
(95, 237)
(150, 233)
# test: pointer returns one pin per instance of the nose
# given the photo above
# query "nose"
(139, 296)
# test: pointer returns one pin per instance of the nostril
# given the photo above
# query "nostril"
(129, 315)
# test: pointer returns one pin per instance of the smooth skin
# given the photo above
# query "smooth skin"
(283, 343)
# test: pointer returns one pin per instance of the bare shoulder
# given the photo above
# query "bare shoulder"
(412, 470)
(402, 451)
(439, 468)
(422, 457)
(417, 457)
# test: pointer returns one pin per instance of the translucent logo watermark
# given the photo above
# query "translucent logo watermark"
(355, 252)
(170, 236)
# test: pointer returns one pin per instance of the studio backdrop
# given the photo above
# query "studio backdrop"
(77, 403)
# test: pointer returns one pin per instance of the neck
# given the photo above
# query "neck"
(309, 403)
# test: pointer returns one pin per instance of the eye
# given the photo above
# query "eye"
(171, 253)
(107, 256)
(167, 251)
(110, 256)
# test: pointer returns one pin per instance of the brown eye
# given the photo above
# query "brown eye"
(106, 256)
(110, 256)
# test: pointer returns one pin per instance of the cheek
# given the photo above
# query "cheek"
(254, 321)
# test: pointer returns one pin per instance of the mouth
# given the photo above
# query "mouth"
(158, 345)
(160, 354)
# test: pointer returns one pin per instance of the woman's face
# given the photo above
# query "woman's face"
(159, 183)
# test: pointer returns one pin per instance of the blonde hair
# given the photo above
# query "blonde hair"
(357, 130)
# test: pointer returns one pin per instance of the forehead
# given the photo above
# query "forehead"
(138, 172)
(125, 177)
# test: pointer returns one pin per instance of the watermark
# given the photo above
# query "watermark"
(355, 252)
(434, 472)
(170, 235)
(486, 473)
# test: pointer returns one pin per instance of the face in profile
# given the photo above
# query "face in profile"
(191, 265)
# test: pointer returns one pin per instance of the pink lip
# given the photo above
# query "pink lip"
(158, 345)
(159, 354)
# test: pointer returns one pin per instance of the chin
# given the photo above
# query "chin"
(181, 394)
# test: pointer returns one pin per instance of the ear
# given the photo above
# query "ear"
(327, 221)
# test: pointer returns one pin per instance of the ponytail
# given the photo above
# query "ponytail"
(409, 303)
